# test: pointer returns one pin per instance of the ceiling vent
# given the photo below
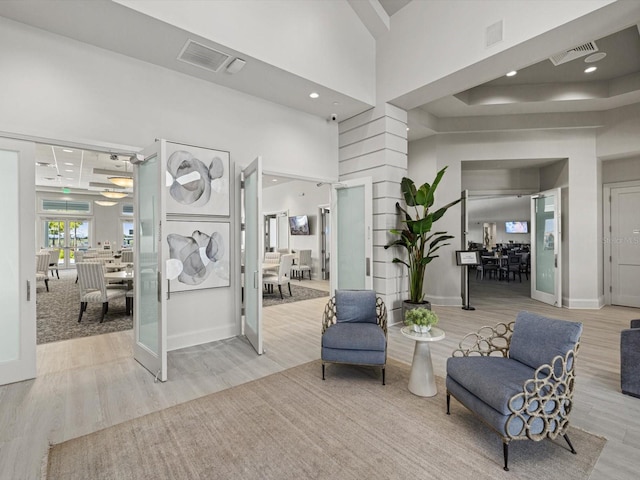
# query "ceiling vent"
(576, 52)
(202, 56)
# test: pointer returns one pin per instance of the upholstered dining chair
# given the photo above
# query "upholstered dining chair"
(518, 378)
(283, 275)
(42, 268)
(303, 265)
(354, 330)
(127, 256)
(54, 258)
(512, 267)
(93, 288)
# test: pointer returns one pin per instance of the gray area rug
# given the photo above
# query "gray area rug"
(57, 312)
(293, 425)
(298, 293)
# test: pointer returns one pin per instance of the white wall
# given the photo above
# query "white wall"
(322, 41)
(300, 198)
(61, 89)
(622, 170)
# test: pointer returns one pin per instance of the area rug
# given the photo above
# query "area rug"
(293, 425)
(57, 312)
(298, 292)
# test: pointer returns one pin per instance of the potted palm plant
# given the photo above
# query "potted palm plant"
(416, 236)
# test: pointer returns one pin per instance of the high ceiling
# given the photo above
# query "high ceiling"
(539, 89)
(544, 88)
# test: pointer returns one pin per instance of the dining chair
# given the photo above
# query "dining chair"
(127, 256)
(54, 258)
(487, 266)
(42, 268)
(512, 267)
(283, 276)
(93, 288)
(303, 265)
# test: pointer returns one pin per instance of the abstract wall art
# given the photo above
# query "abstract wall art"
(197, 180)
(198, 255)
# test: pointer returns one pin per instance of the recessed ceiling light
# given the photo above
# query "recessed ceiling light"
(274, 179)
(314, 95)
(68, 178)
(69, 164)
(407, 129)
(512, 73)
(590, 69)
(68, 170)
(67, 150)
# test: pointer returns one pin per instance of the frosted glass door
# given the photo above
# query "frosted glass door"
(352, 245)
(149, 317)
(254, 252)
(546, 271)
(18, 287)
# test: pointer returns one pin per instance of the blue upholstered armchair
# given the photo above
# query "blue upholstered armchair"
(354, 330)
(630, 359)
(518, 378)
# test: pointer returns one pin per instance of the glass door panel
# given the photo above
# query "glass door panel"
(351, 220)
(67, 235)
(18, 288)
(546, 272)
(150, 347)
(254, 253)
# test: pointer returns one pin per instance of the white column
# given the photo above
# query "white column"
(374, 144)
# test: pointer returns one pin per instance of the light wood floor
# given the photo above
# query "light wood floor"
(87, 384)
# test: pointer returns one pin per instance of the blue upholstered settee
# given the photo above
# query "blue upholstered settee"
(518, 378)
(354, 330)
(630, 359)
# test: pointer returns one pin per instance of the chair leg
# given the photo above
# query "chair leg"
(46, 283)
(448, 403)
(290, 294)
(505, 452)
(323, 371)
(82, 306)
(566, 437)
(383, 371)
(280, 290)
(105, 307)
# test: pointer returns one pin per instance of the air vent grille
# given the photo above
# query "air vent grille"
(576, 52)
(66, 206)
(202, 56)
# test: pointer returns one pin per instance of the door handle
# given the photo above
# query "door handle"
(255, 279)
(28, 290)
(555, 260)
(368, 266)
(159, 283)
(168, 289)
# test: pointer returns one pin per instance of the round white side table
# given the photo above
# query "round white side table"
(422, 381)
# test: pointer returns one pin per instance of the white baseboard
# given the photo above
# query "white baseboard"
(584, 303)
(190, 339)
(445, 301)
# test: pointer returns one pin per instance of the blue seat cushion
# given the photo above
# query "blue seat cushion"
(537, 339)
(354, 336)
(493, 380)
(356, 306)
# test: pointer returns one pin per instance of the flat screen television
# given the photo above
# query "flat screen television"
(299, 225)
(516, 227)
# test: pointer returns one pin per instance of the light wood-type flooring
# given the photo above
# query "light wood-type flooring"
(87, 384)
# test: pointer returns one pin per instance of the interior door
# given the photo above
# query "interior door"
(546, 260)
(18, 283)
(149, 315)
(351, 234)
(253, 254)
(625, 246)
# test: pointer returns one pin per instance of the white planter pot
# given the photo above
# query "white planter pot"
(421, 328)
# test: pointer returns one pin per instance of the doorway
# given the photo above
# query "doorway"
(622, 220)
(67, 235)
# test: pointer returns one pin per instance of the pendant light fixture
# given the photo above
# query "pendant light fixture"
(123, 181)
(105, 203)
(110, 194)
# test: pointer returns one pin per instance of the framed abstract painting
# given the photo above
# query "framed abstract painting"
(198, 255)
(197, 181)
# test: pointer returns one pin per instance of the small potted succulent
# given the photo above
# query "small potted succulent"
(422, 319)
